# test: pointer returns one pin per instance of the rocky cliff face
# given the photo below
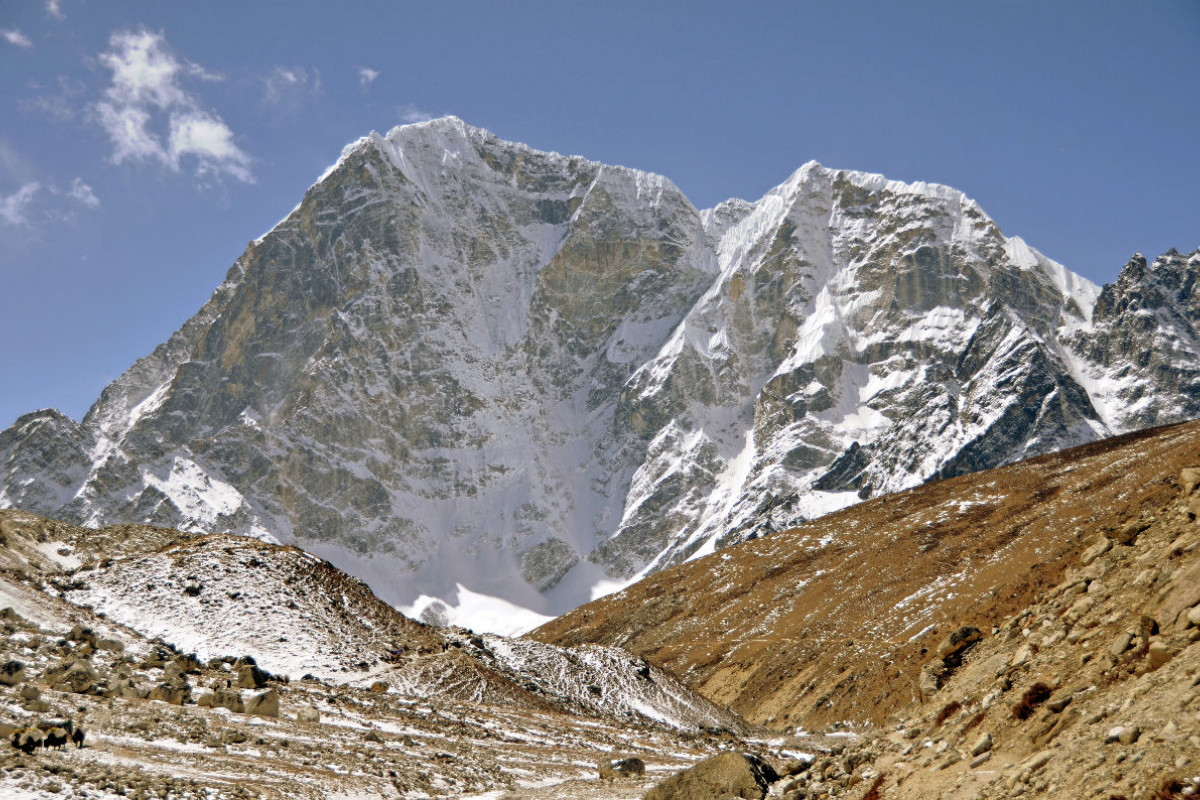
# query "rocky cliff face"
(461, 366)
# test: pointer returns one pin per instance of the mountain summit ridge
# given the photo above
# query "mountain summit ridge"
(464, 363)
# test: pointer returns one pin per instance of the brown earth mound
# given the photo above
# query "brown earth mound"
(839, 620)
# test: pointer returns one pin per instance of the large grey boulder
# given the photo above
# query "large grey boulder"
(725, 775)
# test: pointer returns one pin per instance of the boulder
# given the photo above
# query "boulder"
(724, 775)
(1127, 534)
(230, 699)
(264, 705)
(71, 675)
(250, 676)
(12, 673)
(1095, 551)
(308, 714)
(189, 663)
(958, 641)
(610, 770)
(1121, 643)
(175, 694)
(932, 676)
(173, 672)
(1190, 479)
(982, 744)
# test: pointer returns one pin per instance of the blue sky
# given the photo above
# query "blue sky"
(143, 144)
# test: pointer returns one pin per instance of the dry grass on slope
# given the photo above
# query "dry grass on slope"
(834, 620)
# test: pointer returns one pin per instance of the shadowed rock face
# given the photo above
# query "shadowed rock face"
(463, 361)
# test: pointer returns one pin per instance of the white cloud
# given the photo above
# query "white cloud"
(54, 9)
(15, 37)
(12, 207)
(146, 97)
(83, 193)
(211, 142)
(410, 113)
(367, 76)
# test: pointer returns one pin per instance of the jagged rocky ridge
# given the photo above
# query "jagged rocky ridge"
(461, 366)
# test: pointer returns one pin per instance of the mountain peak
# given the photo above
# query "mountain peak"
(466, 368)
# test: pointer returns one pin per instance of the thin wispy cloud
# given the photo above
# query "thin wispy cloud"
(15, 37)
(410, 113)
(367, 76)
(54, 9)
(149, 116)
(61, 105)
(287, 86)
(83, 194)
(13, 207)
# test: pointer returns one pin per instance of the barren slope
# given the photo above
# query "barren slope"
(834, 620)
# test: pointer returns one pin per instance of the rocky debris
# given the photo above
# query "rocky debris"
(1084, 693)
(71, 675)
(725, 775)
(337, 743)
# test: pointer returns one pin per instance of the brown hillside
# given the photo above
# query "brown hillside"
(834, 620)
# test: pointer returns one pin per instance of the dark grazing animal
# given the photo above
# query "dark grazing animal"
(56, 738)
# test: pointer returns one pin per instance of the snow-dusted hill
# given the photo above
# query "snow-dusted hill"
(462, 368)
(298, 617)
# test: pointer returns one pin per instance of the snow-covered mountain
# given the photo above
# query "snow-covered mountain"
(462, 368)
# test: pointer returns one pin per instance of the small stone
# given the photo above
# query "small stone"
(1020, 656)
(1114, 734)
(1160, 653)
(308, 714)
(982, 744)
(1193, 616)
(1129, 735)
(1121, 643)
(1095, 551)
(1038, 760)
(981, 759)
(1127, 534)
